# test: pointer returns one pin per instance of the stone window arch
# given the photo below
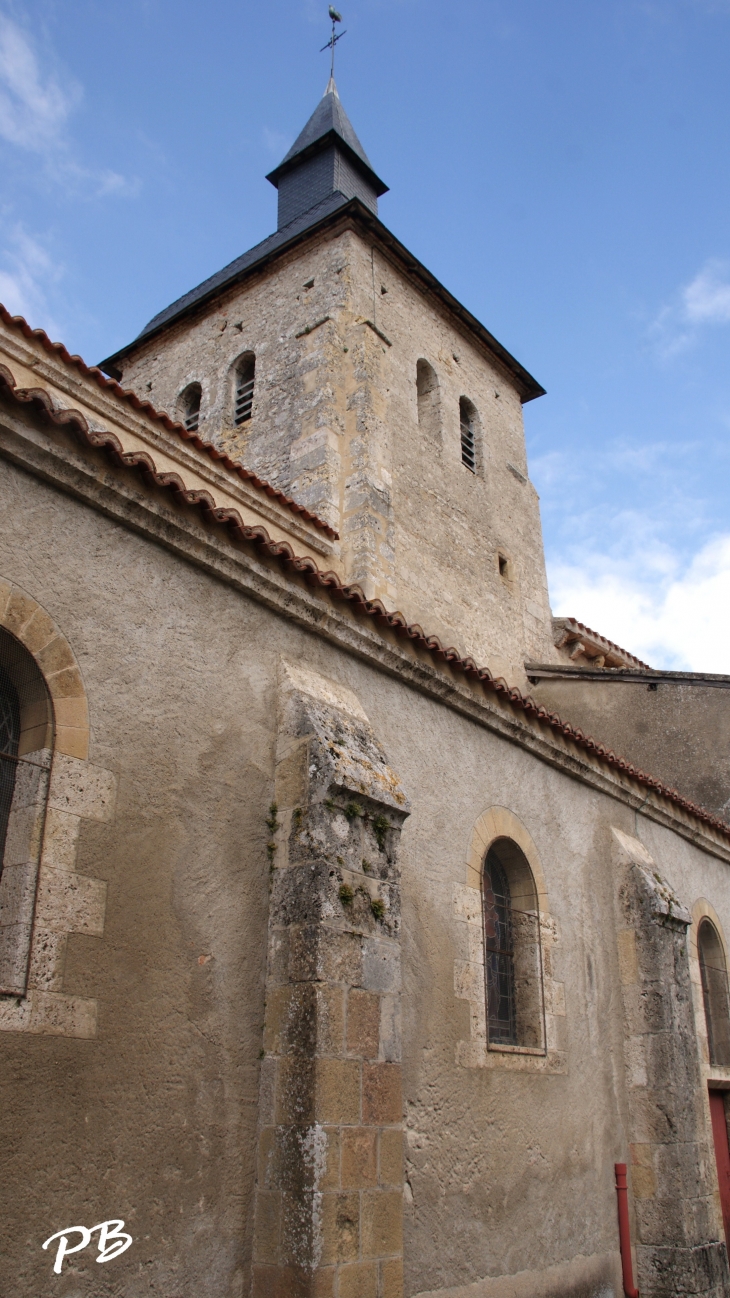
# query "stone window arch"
(26, 747)
(244, 371)
(715, 998)
(512, 949)
(469, 428)
(428, 400)
(41, 907)
(189, 406)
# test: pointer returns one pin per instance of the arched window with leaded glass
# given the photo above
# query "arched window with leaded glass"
(512, 951)
(26, 743)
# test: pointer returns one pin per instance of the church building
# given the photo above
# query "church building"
(363, 927)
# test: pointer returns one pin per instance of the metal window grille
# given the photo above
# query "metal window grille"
(468, 441)
(714, 994)
(244, 396)
(515, 1009)
(499, 957)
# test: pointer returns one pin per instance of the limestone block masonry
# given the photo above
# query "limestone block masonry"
(338, 327)
(329, 1192)
(672, 1168)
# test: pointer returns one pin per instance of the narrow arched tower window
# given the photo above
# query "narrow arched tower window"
(713, 970)
(189, 406)
(245, 379)
(468, 425)
(427, 396)
(512, 954)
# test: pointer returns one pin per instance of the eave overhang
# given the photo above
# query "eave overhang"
(359, 216)
(331, 138)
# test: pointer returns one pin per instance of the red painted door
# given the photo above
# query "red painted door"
(722, 1155)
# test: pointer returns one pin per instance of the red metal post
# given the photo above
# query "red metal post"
(624, 1231)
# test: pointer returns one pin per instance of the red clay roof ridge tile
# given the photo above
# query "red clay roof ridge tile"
(146, 408)
(581, 626)
(306, 568)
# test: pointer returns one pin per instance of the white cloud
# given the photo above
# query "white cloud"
(672, 617)
(707, 298)
(26, 273)
(33, 108)
(704, 301)
(34, 112)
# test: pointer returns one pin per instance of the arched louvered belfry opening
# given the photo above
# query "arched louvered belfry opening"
(245, 380)
(512, 952)
(428, 400)
(713, 971)
(468, 424)
(189, 407)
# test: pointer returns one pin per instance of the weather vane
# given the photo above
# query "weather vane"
(336, 18)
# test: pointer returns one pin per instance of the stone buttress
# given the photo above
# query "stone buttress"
(678, 1250)
(329, 1178)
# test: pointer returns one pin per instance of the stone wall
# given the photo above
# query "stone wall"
(679, 732)
(673, 1175)
(338, 328)
(329, 1198)
(160, 1116)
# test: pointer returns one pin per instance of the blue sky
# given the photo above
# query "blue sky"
(562, 167)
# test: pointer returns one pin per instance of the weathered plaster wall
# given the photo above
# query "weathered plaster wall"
(509, 1158)
(335, 424)
(678, 732)
(153, 1120)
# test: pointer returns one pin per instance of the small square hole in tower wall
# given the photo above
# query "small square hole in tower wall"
(503, 562)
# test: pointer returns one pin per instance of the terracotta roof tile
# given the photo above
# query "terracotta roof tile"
(146, 407)
(596, 635)
(306, 569)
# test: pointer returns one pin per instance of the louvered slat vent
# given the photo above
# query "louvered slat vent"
(244, 401)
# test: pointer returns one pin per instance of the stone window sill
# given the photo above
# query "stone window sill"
(515, 1050)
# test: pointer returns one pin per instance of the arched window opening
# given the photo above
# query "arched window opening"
(713, 970)
(26, 741)
(427, 396)
(468, 424)
(9, 738)
(245, 377)
(190, 407)
(512, 954)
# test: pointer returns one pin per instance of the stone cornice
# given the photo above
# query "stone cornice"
(71, 376)
(268, 572)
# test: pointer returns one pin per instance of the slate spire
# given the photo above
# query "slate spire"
(326, 159)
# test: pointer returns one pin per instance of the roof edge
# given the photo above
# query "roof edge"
(130, 397)
(306, 569)
(323, 142)
(356, 210)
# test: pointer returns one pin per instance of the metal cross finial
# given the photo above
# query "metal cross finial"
(336, 18)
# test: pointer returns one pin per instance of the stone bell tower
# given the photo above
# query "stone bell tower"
(332, 363)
